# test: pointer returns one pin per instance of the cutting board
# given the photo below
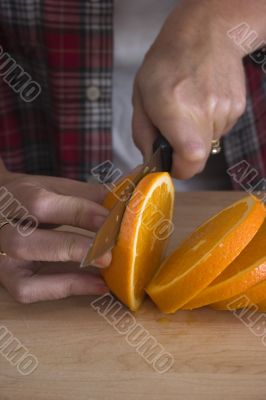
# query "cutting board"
(82, 356)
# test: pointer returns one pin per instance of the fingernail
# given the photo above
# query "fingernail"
(104, 261)
(104, 212)
(103, 289)
(98, 221)
(98, 264)
(195, 151)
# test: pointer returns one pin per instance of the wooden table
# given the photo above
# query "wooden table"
(81, 356)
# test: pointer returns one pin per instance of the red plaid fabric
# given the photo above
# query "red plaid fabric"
(66, 47)
(247, 140)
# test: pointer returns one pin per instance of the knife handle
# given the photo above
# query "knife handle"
(166, 152)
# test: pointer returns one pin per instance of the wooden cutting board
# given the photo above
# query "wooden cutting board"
(81, 356)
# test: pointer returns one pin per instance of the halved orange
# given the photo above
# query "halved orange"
(145, 228)
(247, 270)
(205, 254)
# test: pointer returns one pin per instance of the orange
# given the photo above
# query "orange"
(253, 295)
(142, 239)
(261, 306)
(119, 191)
(247, 270)
(205, 254)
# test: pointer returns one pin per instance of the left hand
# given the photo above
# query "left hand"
(39, 266)
(34, 281)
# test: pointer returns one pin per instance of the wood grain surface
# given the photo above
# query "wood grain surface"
(81, 356)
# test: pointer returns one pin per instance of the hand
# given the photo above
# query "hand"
(191, 86)
(53, 201)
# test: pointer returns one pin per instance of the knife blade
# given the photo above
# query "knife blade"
(106, 237)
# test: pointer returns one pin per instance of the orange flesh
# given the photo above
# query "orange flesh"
(148, 247)
(138, 251)
(213, 264)
(247, 270)
(205, 254)
(200, 244)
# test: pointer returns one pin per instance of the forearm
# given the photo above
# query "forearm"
(252, 12)
(244, 22)
(220, 17)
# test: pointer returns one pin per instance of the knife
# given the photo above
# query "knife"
(106, 237)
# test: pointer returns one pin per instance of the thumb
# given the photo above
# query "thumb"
(189, 135)
(191, 145)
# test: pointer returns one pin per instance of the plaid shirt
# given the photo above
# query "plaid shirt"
(66, 47)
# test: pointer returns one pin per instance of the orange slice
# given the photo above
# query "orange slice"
(247, 270)
(205, 254)
(119, 191)
(251, 296)
(145, 228)
(262, 306)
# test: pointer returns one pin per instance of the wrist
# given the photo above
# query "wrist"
(238, 24)
(246, 40)
(242, 22)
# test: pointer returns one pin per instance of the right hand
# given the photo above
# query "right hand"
(53, 201)
(191, 85)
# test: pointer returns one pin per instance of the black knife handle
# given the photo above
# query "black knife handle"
(166, 152)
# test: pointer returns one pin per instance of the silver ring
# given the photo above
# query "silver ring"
(216, 146)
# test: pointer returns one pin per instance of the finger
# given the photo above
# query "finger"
(47, 245)
(229, 127)
(187, 128)
(190, 138)
(238, 107)
(238, 97)
(31, 289)
(144, 133)
(221, 117)
(57, 209)
(69, 187)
